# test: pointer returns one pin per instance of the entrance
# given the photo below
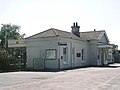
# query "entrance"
(64, 54)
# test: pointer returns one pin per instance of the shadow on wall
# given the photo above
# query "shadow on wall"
(116, 58)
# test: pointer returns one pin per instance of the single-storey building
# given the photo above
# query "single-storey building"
(55, 49)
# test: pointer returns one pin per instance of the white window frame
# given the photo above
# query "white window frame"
(52, 52)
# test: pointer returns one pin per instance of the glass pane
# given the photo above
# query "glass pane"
(64, 50)
(50, 54)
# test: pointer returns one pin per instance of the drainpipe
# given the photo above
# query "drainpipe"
(59, 53)
(71, 52)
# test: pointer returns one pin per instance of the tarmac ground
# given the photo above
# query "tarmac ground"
(91, 78)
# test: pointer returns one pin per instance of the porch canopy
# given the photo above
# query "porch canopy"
(16, 43)
(105, 46)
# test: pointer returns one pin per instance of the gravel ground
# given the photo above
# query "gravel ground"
(92, 78)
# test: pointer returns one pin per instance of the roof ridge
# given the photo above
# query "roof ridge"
(93, 31)
(61, 30)
(54, 32)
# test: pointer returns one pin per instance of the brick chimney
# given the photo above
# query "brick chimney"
(75, 29)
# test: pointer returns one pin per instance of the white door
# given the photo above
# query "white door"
(64, 54)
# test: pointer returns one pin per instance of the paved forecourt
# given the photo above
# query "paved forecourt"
(91, 78)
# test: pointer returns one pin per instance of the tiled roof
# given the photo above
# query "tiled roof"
(66, 34)
(47, 33)
(55, 32)
(92, 34)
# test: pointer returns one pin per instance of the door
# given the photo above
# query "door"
(64, 54)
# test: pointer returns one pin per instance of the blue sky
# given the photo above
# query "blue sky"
(35, 16)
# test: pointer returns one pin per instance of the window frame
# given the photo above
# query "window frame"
(78, 55)
(51, 58)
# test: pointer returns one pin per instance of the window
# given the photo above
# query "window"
(98, 56)
(65, 60)
(50, 54)
(78, 54)
(64, 50)
(82, 54)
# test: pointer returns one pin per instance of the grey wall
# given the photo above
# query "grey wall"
(36, 49)
(93, 52)
(74, 47)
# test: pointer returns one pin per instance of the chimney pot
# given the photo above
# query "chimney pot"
(73, 24)
(76, 24)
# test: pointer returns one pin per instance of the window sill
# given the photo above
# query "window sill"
(83, 61)
(65, 62)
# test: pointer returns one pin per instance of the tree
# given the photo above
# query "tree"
(9, 31)
(7, 58)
